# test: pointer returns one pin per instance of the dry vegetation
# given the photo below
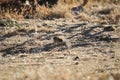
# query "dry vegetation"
(27, 51)
(61, 10)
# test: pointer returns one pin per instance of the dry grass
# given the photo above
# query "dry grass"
(61, 10)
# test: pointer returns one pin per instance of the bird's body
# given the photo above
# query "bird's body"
(57, 40)
(61, 42)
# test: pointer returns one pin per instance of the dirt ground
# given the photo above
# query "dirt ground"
(29, 53)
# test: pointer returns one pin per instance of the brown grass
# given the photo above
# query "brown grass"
(61, 10)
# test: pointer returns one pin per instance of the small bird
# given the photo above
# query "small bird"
(57, 40)
(62, 42)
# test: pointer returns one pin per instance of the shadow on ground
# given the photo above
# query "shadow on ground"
(81, 38)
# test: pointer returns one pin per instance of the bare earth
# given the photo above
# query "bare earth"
(30, 53)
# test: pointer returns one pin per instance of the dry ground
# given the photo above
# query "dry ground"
(29, 53)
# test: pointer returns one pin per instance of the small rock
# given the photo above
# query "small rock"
(76, 58)
(76, 63)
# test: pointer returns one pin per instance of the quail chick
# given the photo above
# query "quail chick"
(57, 40)
(64, 42)
(60, 42)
